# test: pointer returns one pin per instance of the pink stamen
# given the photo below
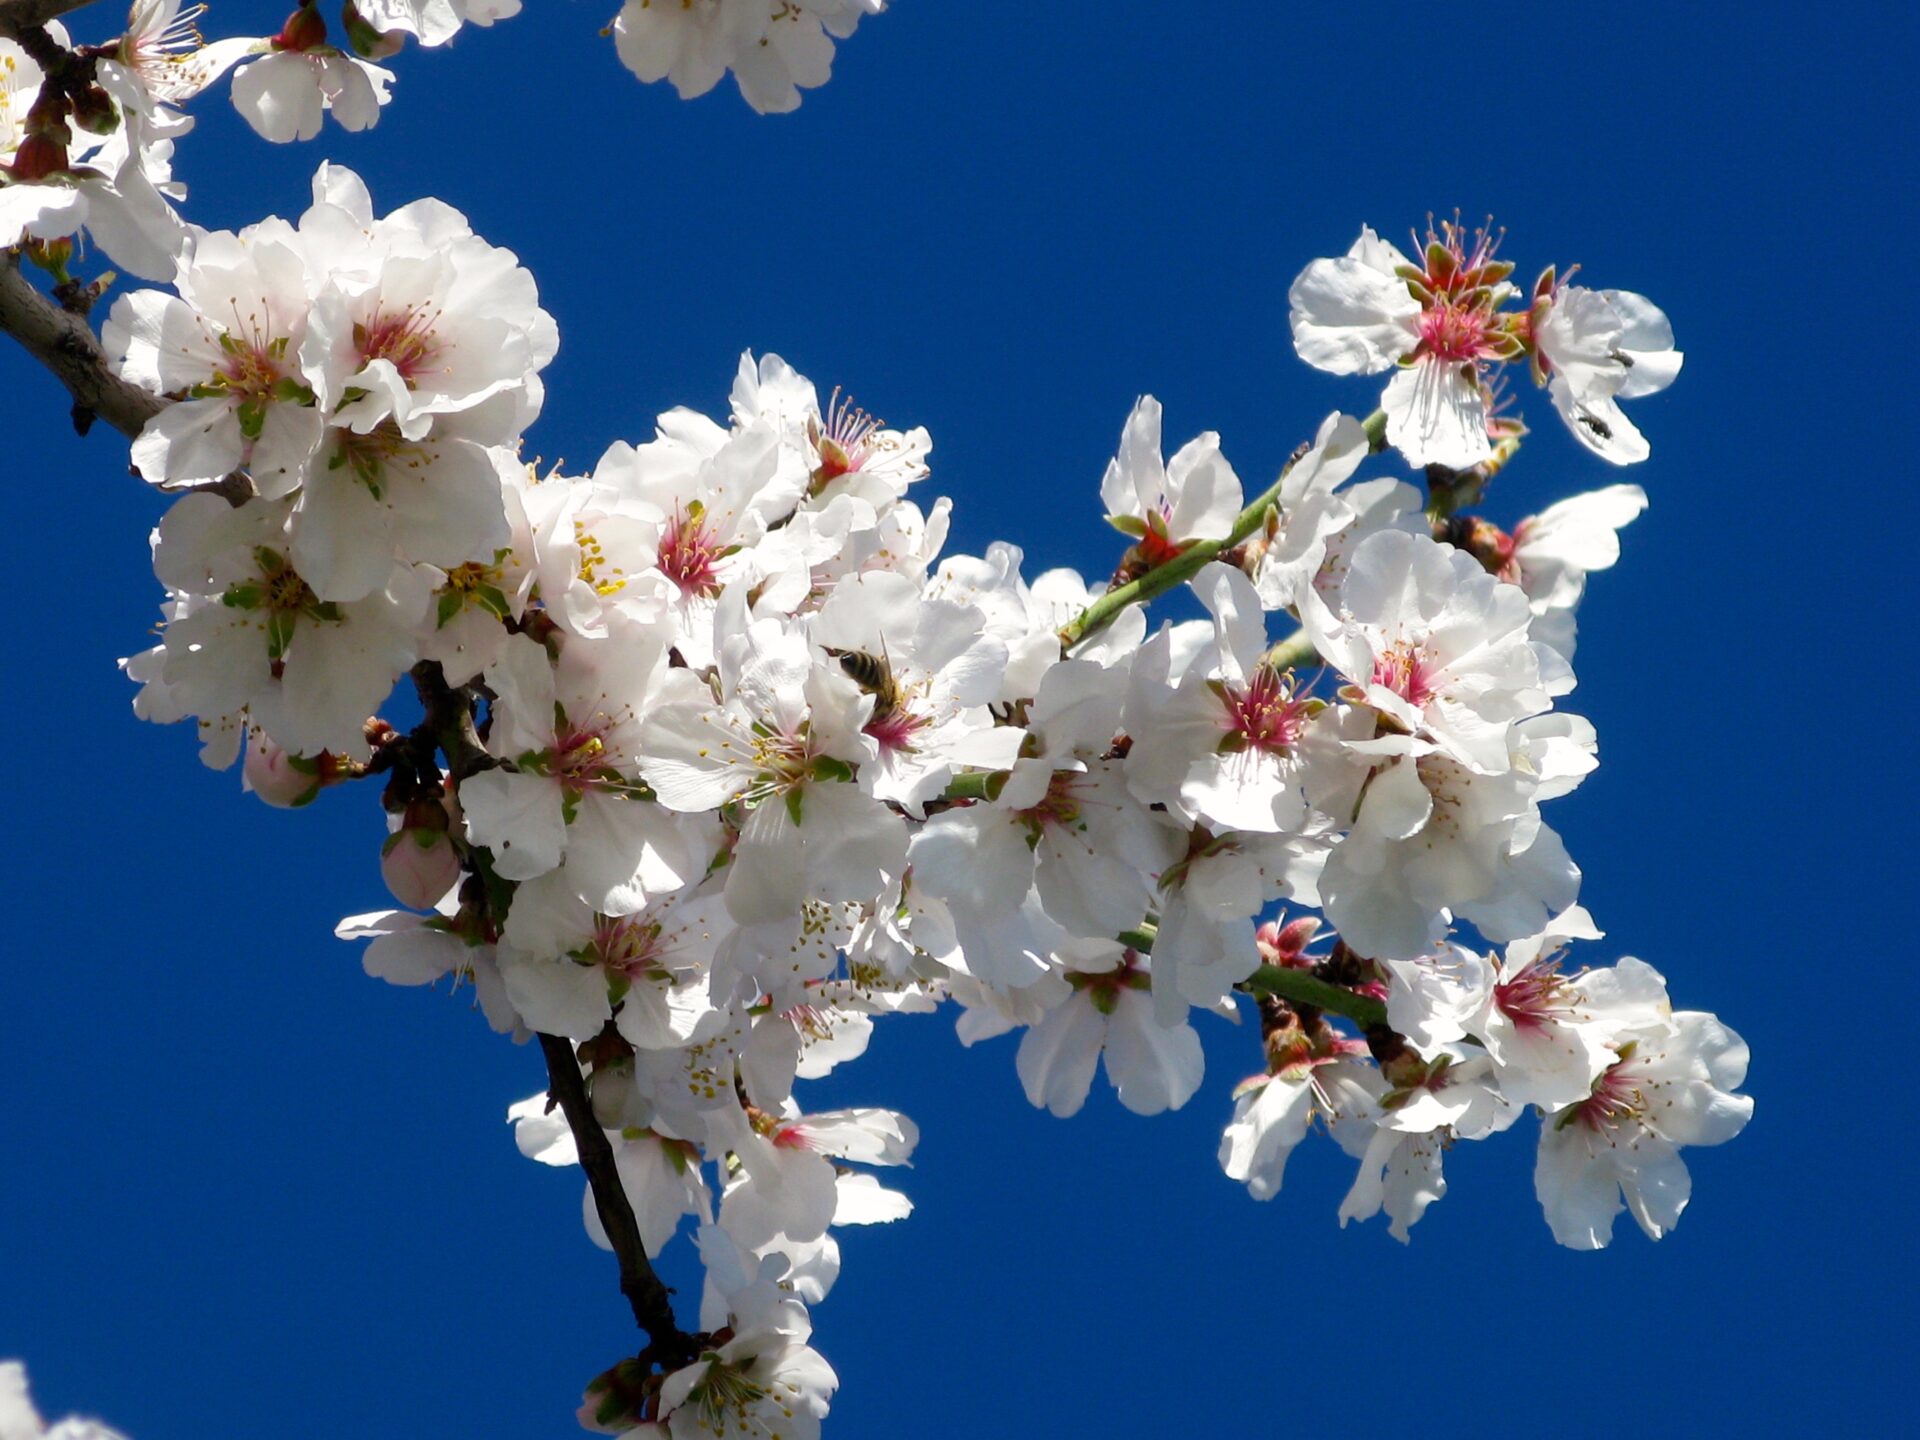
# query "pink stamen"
(689, 555)
(626, 945)
(1405, 670)
(894, 729)
(1616, 1099)
(1455, 333)
(405, 340)
(1266, 713)
(1533, 999)
(844, 442)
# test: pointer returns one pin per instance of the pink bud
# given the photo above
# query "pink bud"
(277, 777)
(419, 866)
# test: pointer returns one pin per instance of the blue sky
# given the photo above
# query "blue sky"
(248, 1191)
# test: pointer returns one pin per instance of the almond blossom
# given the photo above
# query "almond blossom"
(1670, 1086)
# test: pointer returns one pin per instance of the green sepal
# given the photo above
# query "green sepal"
(450, 604)
(795, 798)
(252, 415)
(494, 601)
(242, 597)
(280, 627)
(1129, 525)
(825, 767)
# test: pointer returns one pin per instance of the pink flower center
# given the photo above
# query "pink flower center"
(406, 340)
(894, 728)
(690, 554)
(252, 368)
(580, 757)
(1266, 714)
(626, 945)
(1533, 999)
(843, 442)
(1617, 1098)
(1405, 669)
(1455, 332)
(1059, 806)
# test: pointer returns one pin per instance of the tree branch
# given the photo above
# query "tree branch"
(1191, 560)
(19, 15)
(64, 343)
(652, 1302)
(1300, 986)
(449, 719)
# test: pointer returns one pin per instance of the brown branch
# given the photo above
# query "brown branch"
(61, 340)
(449, 720)
(19, 15)
(64, 343)
(669, 1345)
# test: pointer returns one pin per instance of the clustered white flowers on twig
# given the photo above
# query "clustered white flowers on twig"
(723, 759)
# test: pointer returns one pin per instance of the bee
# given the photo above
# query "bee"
(1593, 422)
(873, 674)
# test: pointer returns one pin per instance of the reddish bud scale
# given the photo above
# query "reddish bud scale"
(39, 156)
(306, 29)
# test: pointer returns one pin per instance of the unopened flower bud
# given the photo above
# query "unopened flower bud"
(618, 1400)
(284, 781)
(419, 866)
(306, 29)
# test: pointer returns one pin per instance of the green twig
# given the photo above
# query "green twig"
(1191, 560)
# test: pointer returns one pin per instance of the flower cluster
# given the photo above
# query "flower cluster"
(372, 377)
(721, 760)
(737, 763)
(1443, 328)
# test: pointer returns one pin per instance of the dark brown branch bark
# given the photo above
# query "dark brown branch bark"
(652, 1302)
(64, 343)
(19, 15)
(449, 719)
